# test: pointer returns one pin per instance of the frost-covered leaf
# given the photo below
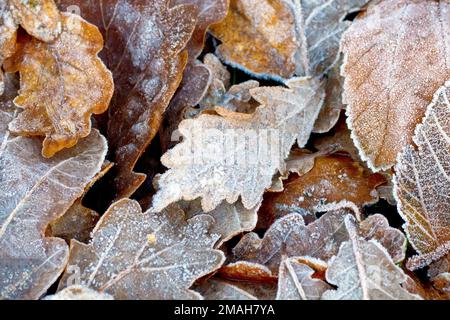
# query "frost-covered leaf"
(422, 183)
(144, 42)
(33, 192)
(229, 219)
(363, 270)
(222, 290)
(393, 240)
(40, 18)
(281, 38)
(232, 154)
(79, 293)
(62, 84)
(295, 282)
(135, 255)
(332, 179)
(396, 55)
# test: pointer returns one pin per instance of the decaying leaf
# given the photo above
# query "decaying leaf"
(422, 183)
(396, 56)
(33, 192)
(135, 255)
(8, 37)
(62, 84)
(144, 43)
(363, 270)
(214, 289)
(247, 271)
(233, 154)
(332, 179)
(76, 292)
(40, 18)
(229, 219)
(295, 282)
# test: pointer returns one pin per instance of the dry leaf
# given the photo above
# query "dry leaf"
(40, 18)
(135, 255)
(62, 84)
(422, 184)
(204, 166)
(144, 43)
(8, 38)
(332, 179)
(214, 289)
(395, 58)
(247, 271)
(79, 293)
(363, 270)
(295, 282)
(33, 192)
(259, 37)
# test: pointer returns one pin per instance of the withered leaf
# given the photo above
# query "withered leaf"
(422, 184)
(332, 179)
(77, 292)
(33, 192)
(247, 271)
(62, 84)
(395, 58)
(40, 18)
(204, 166)
(295, 282)
(144, 43)
(135, 255)
(8, 37)
(214, 289)
(363, 270)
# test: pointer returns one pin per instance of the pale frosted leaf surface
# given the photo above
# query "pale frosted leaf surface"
(295, 282)
(393, 240)
(214, 289)
(229, 219)
(40, 18)
(135, 255)
(396, 55)
(8, 110)
(33, 192)
(204, 166)
(363, 270)
(62, 84)
(77, 292)
(259, 36)
(422, 183)
(144, 42)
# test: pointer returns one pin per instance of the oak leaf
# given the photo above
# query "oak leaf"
(395, 58)
(422, 184)
(204, 166)
(33, 192)
(62, 84)
(135, 255)
(363, 270)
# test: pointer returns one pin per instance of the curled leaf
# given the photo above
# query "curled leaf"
(395, 58)
(135, 255)
(422, 184)
(62, 84)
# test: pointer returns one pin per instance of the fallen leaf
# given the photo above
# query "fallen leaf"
(203, 166)
(79, 293)
(135, 255)
(62, 84)
(395, 58)
(8, 38)
(363, 270)
(332, 179)
(247, 271)
(214, 289)
(40, 18)
(33, 192)
(422, 185)
(144, 42)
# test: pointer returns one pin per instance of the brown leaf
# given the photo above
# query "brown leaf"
(135, 255)
(395, 58)
(33, 192)
(363, 270)
(144, 43)
(332, 179)
(247, 271)
(8, 38)
(62, 84)
(201, 167)
(422, 184)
